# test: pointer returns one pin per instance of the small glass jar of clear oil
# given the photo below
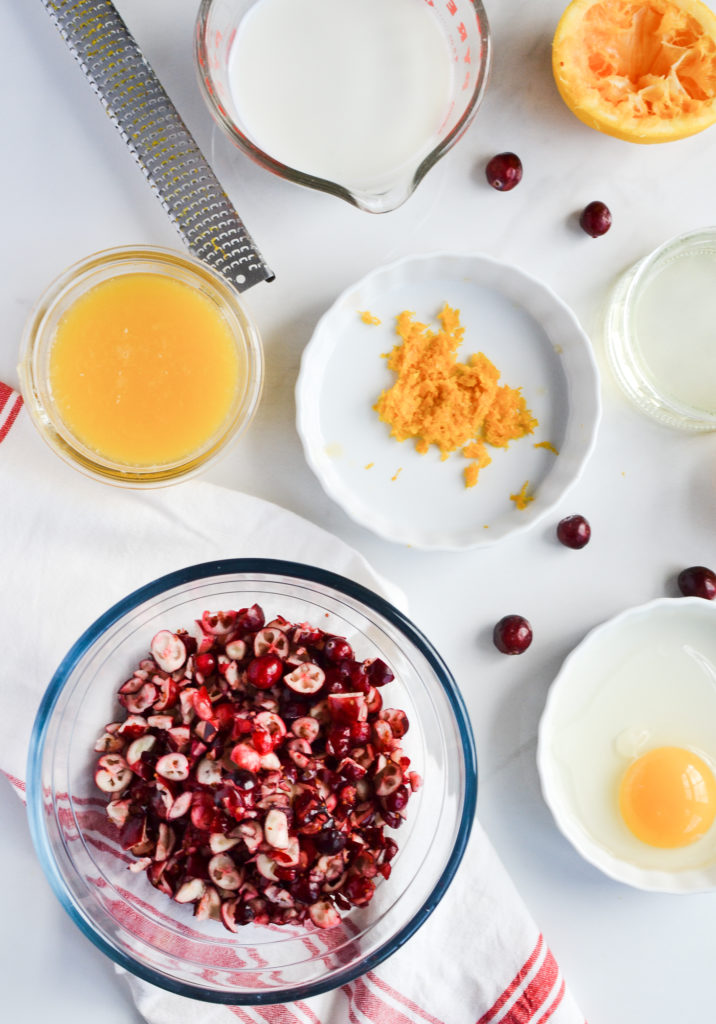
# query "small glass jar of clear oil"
(661, 332)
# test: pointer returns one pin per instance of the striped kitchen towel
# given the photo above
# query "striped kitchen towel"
(69, 543)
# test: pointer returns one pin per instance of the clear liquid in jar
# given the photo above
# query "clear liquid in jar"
(675, 328)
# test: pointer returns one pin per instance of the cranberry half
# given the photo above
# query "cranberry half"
(697, 581)
(512, 634)
(573, 532)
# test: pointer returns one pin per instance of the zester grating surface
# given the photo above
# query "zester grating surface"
(161, 143)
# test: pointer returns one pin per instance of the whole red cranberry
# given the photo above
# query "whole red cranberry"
(504, 171)
(512, 634)
(697, 581)
(205, 663)
(264, 671)
(573, 531)
(337, 648)
(595, 219)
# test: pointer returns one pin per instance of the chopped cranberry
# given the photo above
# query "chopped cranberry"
(697, 581)
(512, 634)
(330, 840)
(398, 799)
(250, 620)
(359, 890)
(253, 794)
(379, 673)
(573, 531)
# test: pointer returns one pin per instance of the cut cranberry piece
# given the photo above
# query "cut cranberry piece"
(397, 800)
(168, 650)
(244, 779)
(396, 719)
(236, 650)
(180, 806)
(512, 634)
(219, 624)
(306, 728)
(107, 743)
(330, 840)
(142, 745)
(276, 829)
(223, 872)
(168, 695)
(324, 914)
(346, 708)
(388, 780)
(174, 767)
(138, 702)
(573, 531)
(112, 782)
(190, 891)
(250, 620)
(271, 640)
(246, 757)
(202, 704)
(504, 171)
(133, 727)
(380, 674)
(697, 581)
(359, 890)
(307, 678)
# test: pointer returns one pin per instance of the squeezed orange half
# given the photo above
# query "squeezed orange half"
(640, 70)
(144, 370)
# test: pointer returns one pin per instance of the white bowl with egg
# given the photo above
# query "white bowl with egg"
(627, 746)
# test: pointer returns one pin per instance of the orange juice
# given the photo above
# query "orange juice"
(144, 369)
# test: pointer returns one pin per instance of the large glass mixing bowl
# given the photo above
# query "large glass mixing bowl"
(142, 928)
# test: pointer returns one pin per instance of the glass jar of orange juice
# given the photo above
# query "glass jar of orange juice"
(140, 365)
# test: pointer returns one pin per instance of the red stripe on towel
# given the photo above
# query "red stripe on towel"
(17, 783)
(279, 1013)
(418, 1011)
(5, 393)
(308, 1012)
(374, 1008)
(554, 1004)
(532, 999)
(514, 984)
(10, 405)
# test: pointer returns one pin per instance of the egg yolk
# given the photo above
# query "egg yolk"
(667, 797)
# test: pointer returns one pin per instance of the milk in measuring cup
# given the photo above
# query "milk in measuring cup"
(353, 91)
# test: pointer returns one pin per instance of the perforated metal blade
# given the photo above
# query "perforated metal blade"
(162, 145)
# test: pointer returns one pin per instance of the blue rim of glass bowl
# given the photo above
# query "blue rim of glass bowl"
(252, 566)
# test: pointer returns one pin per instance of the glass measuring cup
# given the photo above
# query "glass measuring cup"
(379, 189)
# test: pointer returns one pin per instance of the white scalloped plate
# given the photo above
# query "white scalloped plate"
(522, 326)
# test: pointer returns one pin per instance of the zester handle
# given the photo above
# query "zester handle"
(162, 145)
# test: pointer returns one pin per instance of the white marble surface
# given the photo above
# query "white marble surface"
(70, 188)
